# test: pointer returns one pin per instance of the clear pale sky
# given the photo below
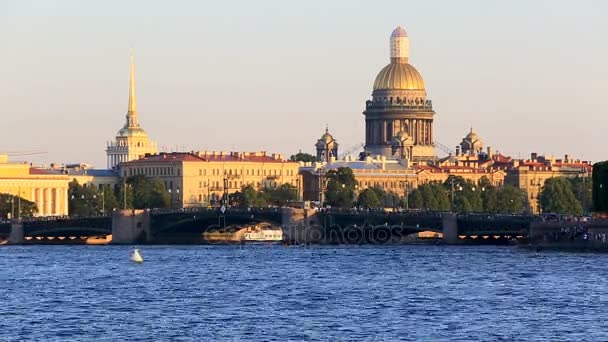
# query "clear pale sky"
(529, 76)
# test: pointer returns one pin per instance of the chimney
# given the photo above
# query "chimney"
(533, 156)
(566, 158)
(490, 152)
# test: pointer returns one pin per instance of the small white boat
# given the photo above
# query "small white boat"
(136, 257)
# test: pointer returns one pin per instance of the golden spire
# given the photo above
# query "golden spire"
(132, 101)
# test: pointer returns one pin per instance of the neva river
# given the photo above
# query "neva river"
(319, 293)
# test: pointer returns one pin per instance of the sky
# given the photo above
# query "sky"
(528, 76)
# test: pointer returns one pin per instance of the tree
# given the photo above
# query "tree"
(110, 202)
(600, 186)
(431, 196)
(303, 157)
(282, 194)
(582, 188)
(148, 193)
(415, 199)
(558, 197)
(465, 193)
(510, 200)
(10, 204)
(368, 198)
(340, 187)
(249, 197)
(83, 200)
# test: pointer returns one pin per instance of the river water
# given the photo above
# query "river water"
(318, 293)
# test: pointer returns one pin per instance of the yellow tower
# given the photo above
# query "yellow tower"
(131, 142)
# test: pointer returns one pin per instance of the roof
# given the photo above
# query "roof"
(254, 157)
(72, 172)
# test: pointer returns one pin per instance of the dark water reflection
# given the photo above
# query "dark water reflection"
(291, 293)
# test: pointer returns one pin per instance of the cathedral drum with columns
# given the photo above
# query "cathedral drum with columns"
(399, 118)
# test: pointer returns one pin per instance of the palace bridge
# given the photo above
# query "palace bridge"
(299, 226)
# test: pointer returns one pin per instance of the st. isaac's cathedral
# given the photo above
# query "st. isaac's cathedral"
(399, 117)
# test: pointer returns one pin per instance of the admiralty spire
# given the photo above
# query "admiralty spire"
(131, 142)
(399, 118)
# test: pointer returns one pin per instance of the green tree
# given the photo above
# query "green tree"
(415, 199)
(109, 200)
(125, 196)
(282, 194)
(148, 193)
(510, 200)
(582, 188)
(600, 186)
(249, 197)
(466, 194)
(303, 157)
(558, 197)
(431, 196)
(83, 200)
(340, 187)
(10, 204)
(368, 198)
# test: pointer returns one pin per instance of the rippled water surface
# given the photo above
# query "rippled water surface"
(278, 293)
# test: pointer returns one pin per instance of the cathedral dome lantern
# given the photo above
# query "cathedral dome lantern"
(399, 104)
(327, 147)
(471, 144)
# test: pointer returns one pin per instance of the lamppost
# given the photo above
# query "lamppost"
(406, 194)
(171, 193)
(583, 174)
(459, 188)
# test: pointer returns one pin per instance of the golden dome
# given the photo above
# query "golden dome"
(399, 76)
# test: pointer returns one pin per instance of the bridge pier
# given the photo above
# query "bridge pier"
(450, 228)
(17, 236)
(130, 226)
(296, 224)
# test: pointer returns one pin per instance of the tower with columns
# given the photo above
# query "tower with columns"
(132, 141)
(399, 107)
(327, 147)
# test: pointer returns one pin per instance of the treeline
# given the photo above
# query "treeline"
(600, 187)
(137, 192)
(460, 195)
(248, 196)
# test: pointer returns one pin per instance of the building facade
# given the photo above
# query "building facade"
(201, 178)
(131, 141)
(530, 174)
(399, 118)
(48, 187)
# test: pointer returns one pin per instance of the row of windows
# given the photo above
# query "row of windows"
(234, 185)
(246, 172)
(153, 171)
(170, 171)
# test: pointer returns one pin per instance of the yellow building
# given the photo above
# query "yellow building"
(48, 187)
(530, 174)
(199, 178)
(132, 141)
(392, 175)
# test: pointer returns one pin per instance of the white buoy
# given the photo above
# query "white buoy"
(136, 257)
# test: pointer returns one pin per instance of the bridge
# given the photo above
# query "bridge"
(299, 226)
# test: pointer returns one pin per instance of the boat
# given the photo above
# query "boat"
(136, 257)
(263, 233)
